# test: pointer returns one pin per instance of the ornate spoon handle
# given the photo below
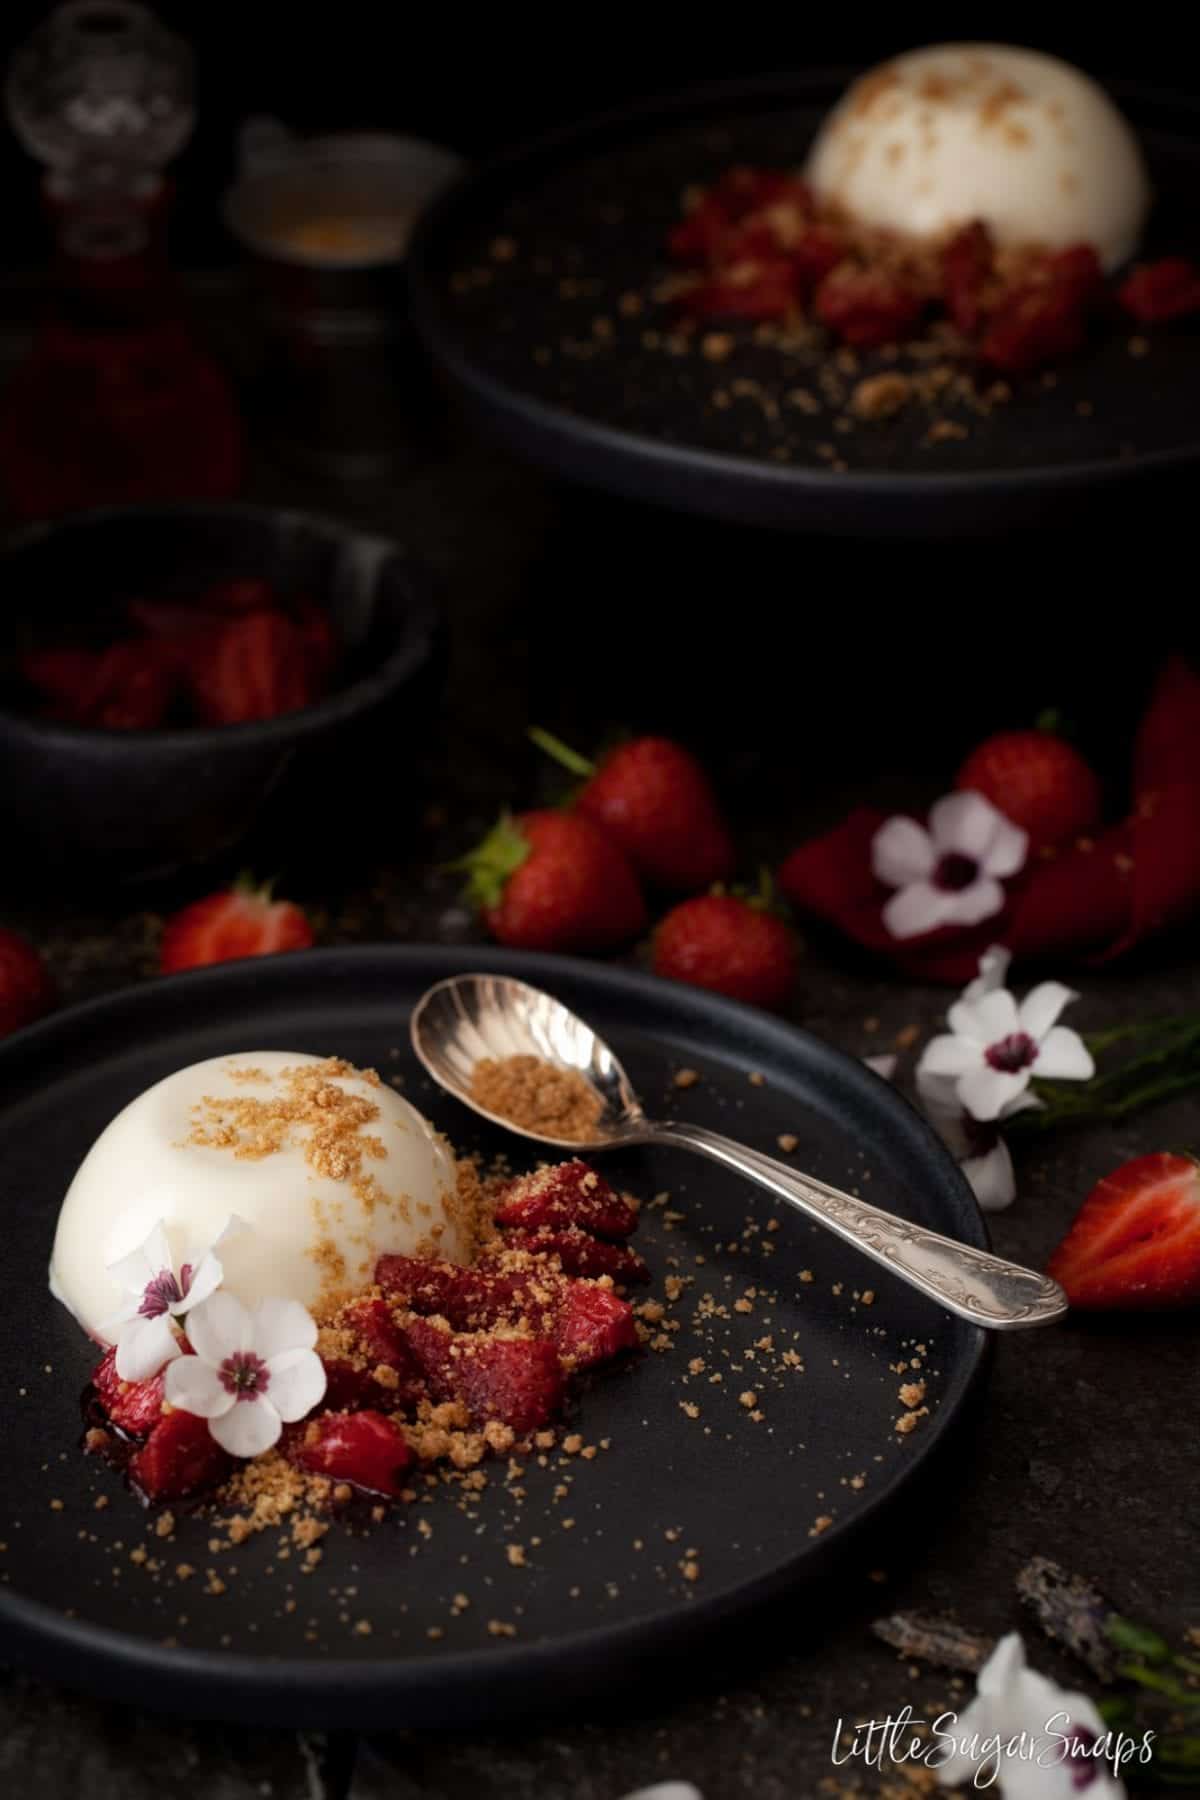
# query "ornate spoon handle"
(980, 1287)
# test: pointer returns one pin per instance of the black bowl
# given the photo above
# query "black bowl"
(140, 805)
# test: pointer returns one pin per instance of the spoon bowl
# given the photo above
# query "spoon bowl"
(468, 1018)
(463, 1020)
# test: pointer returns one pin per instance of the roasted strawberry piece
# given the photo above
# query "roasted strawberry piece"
(592, 1324)
(1156, 292)
(756, 288)
(363, 1448)
(579, 1253)
(468, 1299)
(347, 1388)
(818, 250)
(698, 237)
(132, 1406)
(1046, 316)
(384, 1349)
(867, 306)
(966, 270)
(180, 1457)
(518, 1380)
(66, 677)
(251, 667)
(568, 1193)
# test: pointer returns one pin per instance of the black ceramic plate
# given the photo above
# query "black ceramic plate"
(581, 219)
(597, 1598)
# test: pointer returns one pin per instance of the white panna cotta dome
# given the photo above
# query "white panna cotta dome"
(940, 137)
(323, 1167)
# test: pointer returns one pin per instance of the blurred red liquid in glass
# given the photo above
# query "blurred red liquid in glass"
(116, 401)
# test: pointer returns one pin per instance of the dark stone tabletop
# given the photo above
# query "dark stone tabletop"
(586, 616)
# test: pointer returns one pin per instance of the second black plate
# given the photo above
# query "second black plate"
(520, 278)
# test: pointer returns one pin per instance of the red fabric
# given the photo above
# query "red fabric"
(1088, 901)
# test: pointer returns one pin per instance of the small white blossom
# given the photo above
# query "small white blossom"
(950, 873)
(1026, 1739)
(252, 1372)
(667, 1790)
(995, 1047)
(144, 1329)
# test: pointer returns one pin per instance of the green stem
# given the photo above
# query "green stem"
(562, 753)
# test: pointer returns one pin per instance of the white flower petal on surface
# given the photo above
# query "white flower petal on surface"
(948, 1054)
(992, 1177)
(986, 1020)
(282, 1325)
(143, 1346)
(915, 909)
(972, 905)
(1029, 1717)
(1041, 1006)
(207, 1276)
(884, 1066)
(667, 1790)
(902, 852)
(986, 1092)
(1063, 1056)
(194, 1386)
(219, 1327)
(248, 1428)
(994, 965)
(151, 1257)
(296, 1383)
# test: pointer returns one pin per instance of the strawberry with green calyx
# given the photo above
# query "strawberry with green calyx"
(732, 944)
(652, 796)
(554, 881)
(242, 920)
(1038, 780)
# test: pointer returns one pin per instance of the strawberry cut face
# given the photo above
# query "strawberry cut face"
(1135, 1242)
(569, 1193)
(362, 1448)
(180, 1457)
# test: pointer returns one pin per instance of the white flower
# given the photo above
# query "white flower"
(994, 1047)
(978, 1148)
(1041, 1742)
(146, 1337)
(252, 1372)
(949, 874)
(667, 1790)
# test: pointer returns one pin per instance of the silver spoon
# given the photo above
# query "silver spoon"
(460, 1021)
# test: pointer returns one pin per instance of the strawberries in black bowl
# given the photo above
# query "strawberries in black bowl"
(173, 676)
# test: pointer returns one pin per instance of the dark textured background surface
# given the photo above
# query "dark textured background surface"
(1084, 1446)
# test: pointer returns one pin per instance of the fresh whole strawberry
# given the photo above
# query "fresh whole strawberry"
(653, 797)
(1038, 781)
(1135, 1241)
(554, 881)
(239, 921)
(26, 990)
(731, 945)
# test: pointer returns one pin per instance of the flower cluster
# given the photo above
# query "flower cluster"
(247, 1373)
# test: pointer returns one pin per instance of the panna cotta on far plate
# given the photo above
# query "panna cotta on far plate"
(1023, 142)
(321, 1168)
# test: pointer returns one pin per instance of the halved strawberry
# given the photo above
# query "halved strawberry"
(580, 1253)
(516, 1380)
(567, 1193)
(243, 920)
(1135, 1241)
(363, 1448)
(180, 1457)
(133, 1406)
(591, 1324)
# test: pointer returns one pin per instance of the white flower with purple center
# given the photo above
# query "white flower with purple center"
(253, 1372)
(950, 873)
(145, 1330)
(995, 1047)
(1027, 1739)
